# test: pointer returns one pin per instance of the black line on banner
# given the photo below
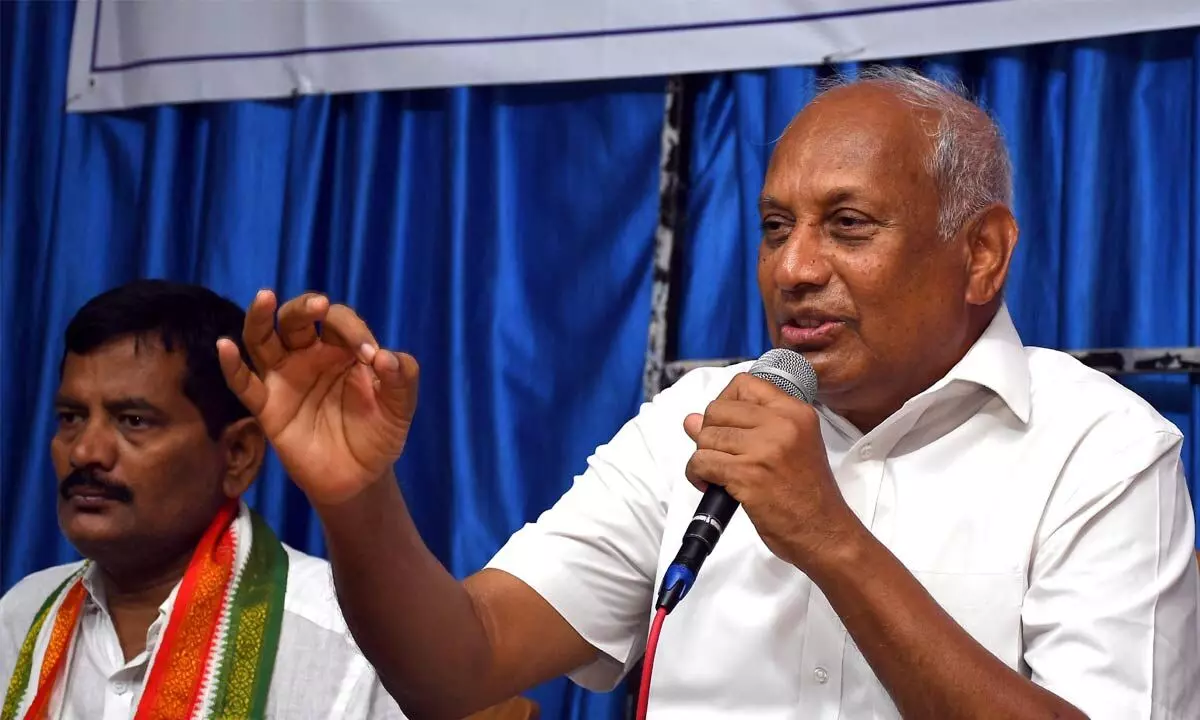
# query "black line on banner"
(533, 37)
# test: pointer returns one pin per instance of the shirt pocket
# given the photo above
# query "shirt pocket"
(986, 605)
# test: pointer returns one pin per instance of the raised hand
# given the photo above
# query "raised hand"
(336, 407)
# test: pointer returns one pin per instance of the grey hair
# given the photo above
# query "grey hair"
(969, 163)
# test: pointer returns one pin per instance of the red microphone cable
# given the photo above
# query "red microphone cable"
(676, 583)
(648, 662)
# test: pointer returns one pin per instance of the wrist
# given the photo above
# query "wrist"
(380, 493)
(840, 553)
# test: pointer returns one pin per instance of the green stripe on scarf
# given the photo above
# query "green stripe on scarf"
(18, 684)
(255, 618)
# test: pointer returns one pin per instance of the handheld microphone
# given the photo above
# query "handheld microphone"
(786, 370)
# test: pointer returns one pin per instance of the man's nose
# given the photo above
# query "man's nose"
(802, 261)
(95, 446)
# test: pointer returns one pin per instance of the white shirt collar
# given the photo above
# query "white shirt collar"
(94, 585)
(997, 362)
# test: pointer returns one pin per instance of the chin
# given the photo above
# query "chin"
(836, 373)
(91, 531)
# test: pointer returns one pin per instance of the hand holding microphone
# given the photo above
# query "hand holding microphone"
(759, 445)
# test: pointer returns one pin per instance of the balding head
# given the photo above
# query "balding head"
(887, 236)
(966, 157)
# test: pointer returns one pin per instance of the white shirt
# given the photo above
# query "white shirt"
(1038, 501)
(319, 671)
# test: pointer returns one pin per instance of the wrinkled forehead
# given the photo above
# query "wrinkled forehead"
(865, 136)
(127, 366)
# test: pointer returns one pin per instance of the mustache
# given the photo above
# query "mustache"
(87, 479)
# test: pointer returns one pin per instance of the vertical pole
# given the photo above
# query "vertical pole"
(669, 231)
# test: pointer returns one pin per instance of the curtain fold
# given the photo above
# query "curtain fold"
(1105, 141)
(502, 235)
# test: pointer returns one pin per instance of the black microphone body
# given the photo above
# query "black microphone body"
(790, 372)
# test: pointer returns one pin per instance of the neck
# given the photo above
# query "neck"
(869, 415)
(134, 598)
(128, 590)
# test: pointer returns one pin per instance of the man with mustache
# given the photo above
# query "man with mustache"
(187, 605)
(960, 527)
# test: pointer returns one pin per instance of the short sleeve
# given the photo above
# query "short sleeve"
(1110, 615)
(593, 555)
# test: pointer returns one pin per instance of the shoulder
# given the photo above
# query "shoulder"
(694, 390)
(1109, 446)
(321, 671)
(33, 589)
(1065, 391)
(22, 602)
(310, 593)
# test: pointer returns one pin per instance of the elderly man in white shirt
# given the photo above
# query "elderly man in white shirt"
(187, 605)
(959, 527)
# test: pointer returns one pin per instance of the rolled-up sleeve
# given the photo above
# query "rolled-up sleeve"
(1110, 616)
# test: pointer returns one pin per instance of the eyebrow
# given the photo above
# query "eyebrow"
(835, 196)
(131, 404)
(127, 404)
(769, 201)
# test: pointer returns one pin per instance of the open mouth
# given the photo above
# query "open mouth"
(810, 333)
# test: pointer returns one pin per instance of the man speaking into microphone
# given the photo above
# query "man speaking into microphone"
(958, 527)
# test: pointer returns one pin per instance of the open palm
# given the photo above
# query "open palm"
(335, 406)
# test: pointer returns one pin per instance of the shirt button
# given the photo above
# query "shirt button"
(120, 688)
(865, 452)
(820, 675)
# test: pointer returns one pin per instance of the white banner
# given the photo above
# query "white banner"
(126, 53)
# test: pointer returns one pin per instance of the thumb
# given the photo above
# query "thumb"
(693, 424)
(398, 375)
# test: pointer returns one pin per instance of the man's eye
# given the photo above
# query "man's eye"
(68, 417)
(851, 224)
(775, 229)
(135, 422)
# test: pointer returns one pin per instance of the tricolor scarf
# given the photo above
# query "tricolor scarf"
(218, 649)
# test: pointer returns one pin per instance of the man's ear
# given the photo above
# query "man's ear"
(244, 445)
(990, 242)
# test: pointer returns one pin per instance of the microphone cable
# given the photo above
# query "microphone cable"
(648, 662)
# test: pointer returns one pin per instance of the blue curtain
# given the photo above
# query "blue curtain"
(504, 236)
(1105, 140)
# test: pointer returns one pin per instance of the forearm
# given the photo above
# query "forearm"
(412, 619)
(930, 666)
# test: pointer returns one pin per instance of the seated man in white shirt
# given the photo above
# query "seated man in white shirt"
(959, 527)
(187, 606)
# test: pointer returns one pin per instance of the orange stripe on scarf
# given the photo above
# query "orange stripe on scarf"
(173, 687)
(65, 622)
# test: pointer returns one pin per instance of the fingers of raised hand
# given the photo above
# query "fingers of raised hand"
(344, 328)
(258, 332)
(398, 375)
(240, 379)
(298, 318)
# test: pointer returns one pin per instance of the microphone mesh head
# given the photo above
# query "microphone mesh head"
(788, 371)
